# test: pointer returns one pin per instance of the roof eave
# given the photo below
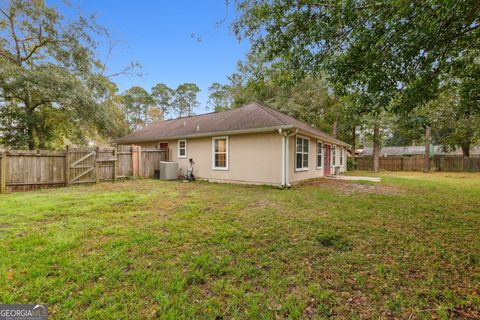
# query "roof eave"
(207, 134)
(324, 139)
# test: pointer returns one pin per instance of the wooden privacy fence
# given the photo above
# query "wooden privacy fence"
(32, 169)
(437, 163)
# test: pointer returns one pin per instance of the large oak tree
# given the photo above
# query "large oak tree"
(51, 84)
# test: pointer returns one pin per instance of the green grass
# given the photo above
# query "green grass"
(408, 247)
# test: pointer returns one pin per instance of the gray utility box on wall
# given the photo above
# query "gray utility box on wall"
(168, 170)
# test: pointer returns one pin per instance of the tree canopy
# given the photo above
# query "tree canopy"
(391, 68)
(387, 56)
(141, 108)
(51, 85)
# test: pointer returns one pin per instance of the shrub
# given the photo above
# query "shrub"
(350, 164)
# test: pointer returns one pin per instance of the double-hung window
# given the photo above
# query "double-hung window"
(301, 152)
(220, 153)
(341, 156)
(334, 155)
(182, 148)
(319, 155)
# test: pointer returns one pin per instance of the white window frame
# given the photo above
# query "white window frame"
(178, 147)
(341, 157)
(322, 152)
(227, 152)
(308, 154)
(334, 155)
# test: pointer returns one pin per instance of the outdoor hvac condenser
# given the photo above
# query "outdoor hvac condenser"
(168, 170)
(337, 170)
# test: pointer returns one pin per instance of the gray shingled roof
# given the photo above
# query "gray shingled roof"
(252, 117)
(415, 150)
(396, 151)
(474, 150)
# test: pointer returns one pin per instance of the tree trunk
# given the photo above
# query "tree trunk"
(466, 150)
(30, 128)
(354, 147)
(31, 138)
(426, 161)
(334, 128)
(41, 139)
(376, 148)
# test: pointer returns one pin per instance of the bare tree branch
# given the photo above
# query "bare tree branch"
(11, 20)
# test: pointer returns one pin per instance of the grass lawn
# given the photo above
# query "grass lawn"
(408, 247)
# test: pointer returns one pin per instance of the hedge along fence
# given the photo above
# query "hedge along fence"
(31, 169)
(437, 163)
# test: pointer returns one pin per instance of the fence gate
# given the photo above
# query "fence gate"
(81, 168)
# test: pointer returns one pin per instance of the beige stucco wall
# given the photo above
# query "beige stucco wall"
(253, 158)
(312, 172)
(343, 166)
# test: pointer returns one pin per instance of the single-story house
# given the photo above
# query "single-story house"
(405, 151)
(416, 151)
(252, 144)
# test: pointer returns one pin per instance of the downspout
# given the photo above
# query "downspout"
(285, 153)
(286, 156)
(283, 183)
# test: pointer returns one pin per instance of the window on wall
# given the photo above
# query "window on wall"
(220, 153)
(341, 156)
(301, 153)
(182, 148)
(334, 155)
(319, 154)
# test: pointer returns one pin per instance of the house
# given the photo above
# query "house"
(252, 144)
(416, 151)
(407, 151)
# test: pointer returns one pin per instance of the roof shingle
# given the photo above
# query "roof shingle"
(250, 117)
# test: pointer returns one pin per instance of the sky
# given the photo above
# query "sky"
(158, 34)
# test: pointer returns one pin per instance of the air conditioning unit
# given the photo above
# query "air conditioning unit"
(337, 170)
(168, 170)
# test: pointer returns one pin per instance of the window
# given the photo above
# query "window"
(334, 155)
(220, 153)
(182, 148)
(341, 156)
(319, 154)
(301, 153)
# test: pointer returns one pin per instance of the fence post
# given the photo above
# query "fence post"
(134, 161)
(97, 165)
(115, 164)
(140, 164)
(3, 172)
(67, 166)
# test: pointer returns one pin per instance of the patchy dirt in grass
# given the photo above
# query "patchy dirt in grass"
(350, 187)
(265, 203)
